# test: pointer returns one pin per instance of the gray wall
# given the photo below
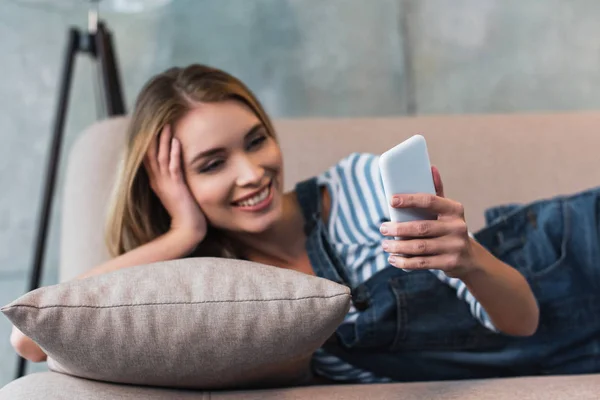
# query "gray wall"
(302, 58)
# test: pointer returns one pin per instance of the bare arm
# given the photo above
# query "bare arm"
(444, 244)
(172, 245)
(188, 224)
(503, 292)
(500, 289)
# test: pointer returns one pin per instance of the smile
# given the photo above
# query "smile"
(257, 202)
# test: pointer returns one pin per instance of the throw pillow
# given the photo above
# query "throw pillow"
(204, 323)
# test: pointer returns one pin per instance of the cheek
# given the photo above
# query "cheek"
(209, 192)
(274, 157)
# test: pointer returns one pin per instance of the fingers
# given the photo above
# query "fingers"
(442, 262)
(175, 160)
(436, 204)
(437, 181)
(424, 228)
(158, 159)
(164, 150)
(423, 247)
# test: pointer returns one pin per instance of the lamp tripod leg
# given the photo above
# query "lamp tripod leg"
(52, 169)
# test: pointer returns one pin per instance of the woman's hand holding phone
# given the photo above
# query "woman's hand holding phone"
(429, 230)
(441, 243)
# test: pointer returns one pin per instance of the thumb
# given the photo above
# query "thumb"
(437, 181)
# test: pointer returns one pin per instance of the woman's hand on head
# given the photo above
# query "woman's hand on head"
(442, 244)
(163, 165)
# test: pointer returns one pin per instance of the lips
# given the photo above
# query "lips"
(255, 197)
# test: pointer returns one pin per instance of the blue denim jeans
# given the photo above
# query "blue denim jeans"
(412, 327)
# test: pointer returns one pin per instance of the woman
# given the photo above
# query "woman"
(203, 176)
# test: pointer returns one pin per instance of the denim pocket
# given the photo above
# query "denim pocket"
(546, 247)
(531, 238)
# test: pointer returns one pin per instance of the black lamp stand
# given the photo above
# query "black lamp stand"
(97, 43)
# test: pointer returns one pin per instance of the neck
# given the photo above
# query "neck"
(283, 243)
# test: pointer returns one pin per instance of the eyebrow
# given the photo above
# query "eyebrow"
(217, 150)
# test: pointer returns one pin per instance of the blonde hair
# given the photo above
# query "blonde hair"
(136, 215)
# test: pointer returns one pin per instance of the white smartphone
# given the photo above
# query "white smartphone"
(406, 169)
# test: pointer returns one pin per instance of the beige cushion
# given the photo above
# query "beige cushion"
(194, 323)
(52, 386)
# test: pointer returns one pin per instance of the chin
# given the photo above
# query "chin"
(263, 223)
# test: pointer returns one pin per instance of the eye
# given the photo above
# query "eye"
(257, 141)
(211, 166)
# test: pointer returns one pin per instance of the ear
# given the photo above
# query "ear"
(437, 181)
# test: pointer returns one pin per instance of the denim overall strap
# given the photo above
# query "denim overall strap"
(309, 197)
(325, 261)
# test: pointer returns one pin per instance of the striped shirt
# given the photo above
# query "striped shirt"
(358, 207)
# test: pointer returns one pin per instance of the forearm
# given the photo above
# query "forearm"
(503, 292)
(25, 347)
(170, 246)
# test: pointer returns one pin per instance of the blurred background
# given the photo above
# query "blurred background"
(303, 58)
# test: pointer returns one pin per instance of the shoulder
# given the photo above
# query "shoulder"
(355, 173)
(352, 170)
(353, 199)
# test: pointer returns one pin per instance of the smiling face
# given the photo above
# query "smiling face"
(232, 166)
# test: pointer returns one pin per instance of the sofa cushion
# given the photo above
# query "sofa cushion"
(192, 323)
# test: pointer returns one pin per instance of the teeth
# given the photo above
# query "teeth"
(256, 199)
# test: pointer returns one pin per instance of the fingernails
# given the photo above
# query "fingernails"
(392, 260)
(385, 246)
(383, 229)
(396, 201)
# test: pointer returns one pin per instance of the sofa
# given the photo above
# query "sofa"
(484, 160)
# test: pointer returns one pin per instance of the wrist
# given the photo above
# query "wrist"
(186, 238)
(477, 265)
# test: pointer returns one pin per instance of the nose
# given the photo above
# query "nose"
(250, 173)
